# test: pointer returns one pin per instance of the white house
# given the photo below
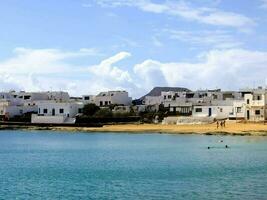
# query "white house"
(86, 99)
(153, 100)
(218, 112)
(113, 97)
(10, 109)
(256, 105)
(238, 110)
(57, 112)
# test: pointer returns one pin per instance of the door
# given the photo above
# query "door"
(248, 115)
(210, 112)
(53, 112)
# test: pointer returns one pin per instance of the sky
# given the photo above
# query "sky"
(88, 46)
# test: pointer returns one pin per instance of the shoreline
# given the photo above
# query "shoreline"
(232, 128)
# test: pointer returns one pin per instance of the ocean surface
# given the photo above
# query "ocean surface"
(59, 165)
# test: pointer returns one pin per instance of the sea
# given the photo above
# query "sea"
(77, 165)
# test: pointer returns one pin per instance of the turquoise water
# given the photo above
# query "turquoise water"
(53, 165)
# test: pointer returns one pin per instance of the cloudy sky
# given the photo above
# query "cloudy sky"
(87, 46)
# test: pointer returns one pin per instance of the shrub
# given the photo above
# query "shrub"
(90, 109)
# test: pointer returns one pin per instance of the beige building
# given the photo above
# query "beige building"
(255, 105)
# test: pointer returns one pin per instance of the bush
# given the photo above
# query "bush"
(90, 109)
(103, 113)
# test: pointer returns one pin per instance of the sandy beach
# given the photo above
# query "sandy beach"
(232, 128)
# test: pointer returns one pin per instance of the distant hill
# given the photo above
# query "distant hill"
(156, 91)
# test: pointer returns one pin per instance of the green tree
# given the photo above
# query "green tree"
(104, 112)
(90, 109)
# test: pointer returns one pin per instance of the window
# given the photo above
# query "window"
(86, 98)
(101, 103)
(61, 110)
(27, 97)
(221, 110)
(238, 109)
(164, 96)
(106, 103)
(169, 96)
(258, 97)
(257, 112)
(39, 110)
(198, 109)
(45, 110)
(247, 101)
(80, 110)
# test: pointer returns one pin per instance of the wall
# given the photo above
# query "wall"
(47, 119)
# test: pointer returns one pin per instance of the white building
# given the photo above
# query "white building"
(238, 110)
(57, 112)
(217, 112)
(256, 105)
(86, 99)
(153, 100)
(113, 97)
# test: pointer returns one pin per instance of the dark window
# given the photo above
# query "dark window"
(247, 101)
(61, 110)
(86, 98)
(257, 112)
(239, 109)
(164, 96)
(39, 110)
(258, 97)
(169, 96)
(106, 103)
(101, 103)
(45, 110)
(27, 97)
(198, 109)
(80, 110)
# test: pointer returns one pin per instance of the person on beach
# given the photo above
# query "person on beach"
(217, 124)
(224, 123)
(221, 124)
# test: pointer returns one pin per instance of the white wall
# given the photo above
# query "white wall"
(47, 119)
(216, 111)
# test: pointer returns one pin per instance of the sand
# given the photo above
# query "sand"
(232, 128)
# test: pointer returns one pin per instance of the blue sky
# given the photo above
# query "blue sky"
(86, 46)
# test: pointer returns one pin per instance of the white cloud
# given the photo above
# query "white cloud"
(28, 67)
(215, 39)
(226, 68)
(204, 15)
(41, 61)
(106, 71)
(229, 69)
